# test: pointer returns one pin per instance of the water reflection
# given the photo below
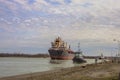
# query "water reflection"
(57, 64)
(69, 63)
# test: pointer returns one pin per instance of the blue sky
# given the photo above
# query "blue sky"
(28, 26)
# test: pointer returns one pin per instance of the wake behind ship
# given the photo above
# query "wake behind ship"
(60, 51)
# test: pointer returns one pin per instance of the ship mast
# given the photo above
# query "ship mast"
(79, 50)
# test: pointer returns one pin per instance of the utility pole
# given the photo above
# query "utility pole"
(118, 48)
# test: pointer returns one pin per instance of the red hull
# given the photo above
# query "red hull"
(62, 57)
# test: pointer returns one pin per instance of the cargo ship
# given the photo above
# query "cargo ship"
(60, 51)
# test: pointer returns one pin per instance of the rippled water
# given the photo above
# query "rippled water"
(15, 66)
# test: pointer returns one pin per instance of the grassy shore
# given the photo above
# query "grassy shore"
(101, 71)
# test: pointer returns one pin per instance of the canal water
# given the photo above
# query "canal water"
(10, 66)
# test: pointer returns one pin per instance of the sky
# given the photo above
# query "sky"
(29, 26)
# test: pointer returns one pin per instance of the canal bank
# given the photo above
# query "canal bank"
(101, 71)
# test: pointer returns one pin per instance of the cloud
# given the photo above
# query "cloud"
(9, 4)
(95, 8)
(36, 24)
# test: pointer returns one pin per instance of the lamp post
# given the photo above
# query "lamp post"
(118, 54)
